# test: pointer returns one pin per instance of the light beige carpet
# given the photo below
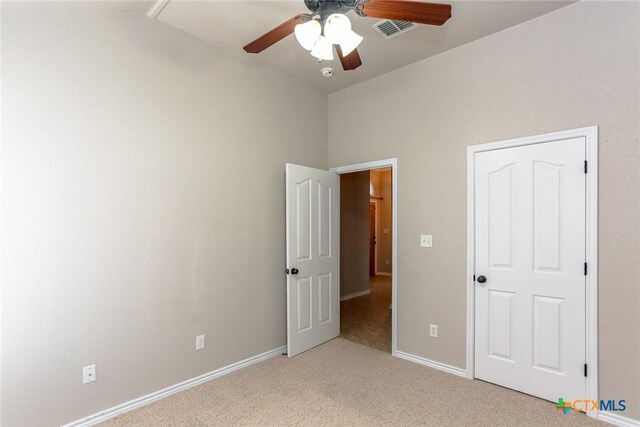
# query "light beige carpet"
(367, 319)
(341, 383)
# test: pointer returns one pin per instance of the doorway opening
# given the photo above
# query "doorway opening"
(313, 246)
(367, 249)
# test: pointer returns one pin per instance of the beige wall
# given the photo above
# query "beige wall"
(354, 232)
(575, 67)
(382, 178)
(142, 205)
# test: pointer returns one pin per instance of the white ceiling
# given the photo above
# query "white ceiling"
(232, 24)
(77, 6)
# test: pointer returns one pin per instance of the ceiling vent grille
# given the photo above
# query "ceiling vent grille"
(391, 28)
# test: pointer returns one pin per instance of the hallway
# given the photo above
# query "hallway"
(366, 320)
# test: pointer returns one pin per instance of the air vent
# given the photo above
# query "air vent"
(390, 28)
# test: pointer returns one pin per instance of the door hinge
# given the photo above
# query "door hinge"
(286, 270)
(585, 268)
(585, 370)
(474, 277)
(585, 166)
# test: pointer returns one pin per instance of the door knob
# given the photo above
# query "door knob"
(482, 279)
(294, 271)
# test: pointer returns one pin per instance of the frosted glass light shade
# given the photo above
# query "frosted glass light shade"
(349, 42)
(336, 27)
(308, 33)
(323, 49)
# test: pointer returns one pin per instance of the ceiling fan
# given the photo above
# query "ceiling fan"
(328, 26)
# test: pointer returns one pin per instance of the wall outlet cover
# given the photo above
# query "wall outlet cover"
(199, 342)
(88, 374)
(433, 331)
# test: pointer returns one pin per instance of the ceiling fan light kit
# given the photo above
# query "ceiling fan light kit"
(328, 26)
(337, 31)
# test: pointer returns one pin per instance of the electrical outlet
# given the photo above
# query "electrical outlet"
(199, 342)
(433, 331)
(88, 374)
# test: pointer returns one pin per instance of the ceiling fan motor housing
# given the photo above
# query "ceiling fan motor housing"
(324, 8)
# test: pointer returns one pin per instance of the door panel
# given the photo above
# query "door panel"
(324, 230)
(547, 332)
(547, 201)
(302, 202)
(303, 287)
(324, 298)
(313, 306)
(501, 216)
(530, 246)
(500, 324)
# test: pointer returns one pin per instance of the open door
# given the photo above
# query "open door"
(313, 291)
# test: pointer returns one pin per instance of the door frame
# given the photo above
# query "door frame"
(380, 164)
(590, 134)
(374, 202)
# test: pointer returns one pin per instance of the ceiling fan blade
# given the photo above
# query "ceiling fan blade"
(411, 11)
(351, 61)
(275, 35)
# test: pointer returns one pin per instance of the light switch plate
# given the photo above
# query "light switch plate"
(426, 240)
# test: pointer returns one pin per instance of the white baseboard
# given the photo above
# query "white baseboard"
(382, 273)
(617, 420)
(355, 295)
(432, 364)
(176, 388)
(157, 8)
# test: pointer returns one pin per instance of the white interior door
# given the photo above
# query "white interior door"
(530, 248)
(313, 292)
